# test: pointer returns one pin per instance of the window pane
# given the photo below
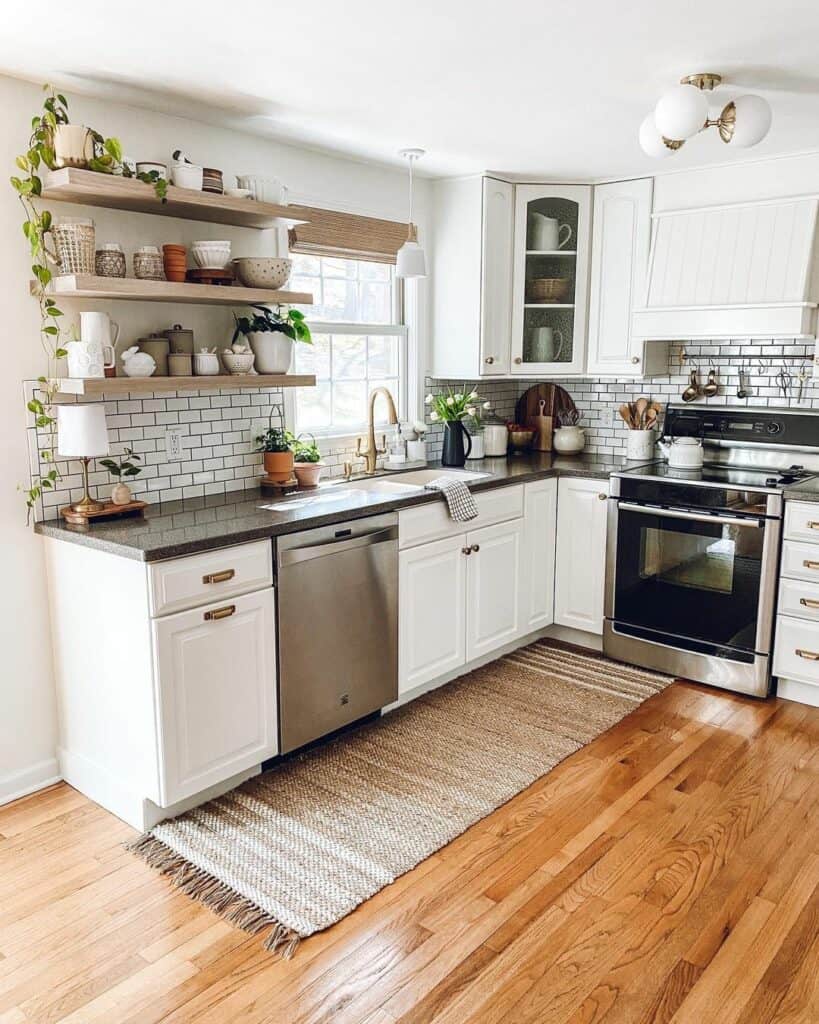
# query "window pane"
(393, 386)
(349, 357)
(307, 264)
(349, 403)
(298, 283)
(314, 406)
(373, 271)
(383, 357)
(314, 358)
(376, 302)
(340, 300)
(333, 267)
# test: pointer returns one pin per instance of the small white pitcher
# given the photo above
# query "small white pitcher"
(89, 359)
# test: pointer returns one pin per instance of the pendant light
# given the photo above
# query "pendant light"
(410, 260)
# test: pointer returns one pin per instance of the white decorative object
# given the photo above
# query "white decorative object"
(273, 351)
(89, 359)
(417, 451)
(410, 260)
(120, 494)
(237, 362)
(82, 434)
(264, 190)
(640, 444)
(136, 363)
(569, 440)
(205, 363)
(73, 145)
(187, 176)
(476, 451)
(211, 255)
(683, 452)
(262, 271)
(545, 233)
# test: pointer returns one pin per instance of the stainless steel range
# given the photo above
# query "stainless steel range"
(693, 555)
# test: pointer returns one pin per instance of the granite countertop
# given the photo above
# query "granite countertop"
(178, 528)
(807, 491)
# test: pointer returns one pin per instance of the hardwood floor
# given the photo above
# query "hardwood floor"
(667, 872)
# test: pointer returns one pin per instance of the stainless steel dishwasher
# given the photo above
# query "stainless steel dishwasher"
(338, 626)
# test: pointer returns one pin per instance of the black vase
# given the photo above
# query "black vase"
(454, 453)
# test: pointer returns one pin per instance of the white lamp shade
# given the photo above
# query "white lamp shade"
(753, 120)
(651, 140)
(81, 431)
(681, 113)
(410, 261)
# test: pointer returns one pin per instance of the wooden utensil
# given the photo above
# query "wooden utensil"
(640, 409)
(625, 415)
(542, 424)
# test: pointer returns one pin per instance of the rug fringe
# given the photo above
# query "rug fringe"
(215, 895)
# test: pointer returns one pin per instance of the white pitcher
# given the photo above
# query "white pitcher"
(546, 234)
(89, 359)
(97, 327)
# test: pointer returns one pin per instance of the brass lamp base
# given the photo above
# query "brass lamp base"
(86, 503)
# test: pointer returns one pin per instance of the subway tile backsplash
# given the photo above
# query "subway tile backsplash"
(218, 426)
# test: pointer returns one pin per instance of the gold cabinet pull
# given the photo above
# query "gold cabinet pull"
(219, 577)
(808, 602)
(808, 564)
(220, 613)
(602, 497)
(813, 524)
(807, 655)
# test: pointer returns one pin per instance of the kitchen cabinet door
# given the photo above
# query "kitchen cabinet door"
(550, 282)
(580, 557)
(496, 276)
(538, 564)
(494, 589)
(619, 262)
(431, 611)
(216, 686)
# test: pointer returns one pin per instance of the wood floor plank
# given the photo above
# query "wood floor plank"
(666, 872)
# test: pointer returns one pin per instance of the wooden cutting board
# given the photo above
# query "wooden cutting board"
(557, 400)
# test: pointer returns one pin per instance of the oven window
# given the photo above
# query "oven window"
(684, 578)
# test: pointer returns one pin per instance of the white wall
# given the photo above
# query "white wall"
(27, 707)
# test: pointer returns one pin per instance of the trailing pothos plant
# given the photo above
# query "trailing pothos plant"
(37, 228)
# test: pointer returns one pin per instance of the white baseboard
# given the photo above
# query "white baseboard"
(802, 693)
(29, 780)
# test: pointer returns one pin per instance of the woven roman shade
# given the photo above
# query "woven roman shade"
(332, 233)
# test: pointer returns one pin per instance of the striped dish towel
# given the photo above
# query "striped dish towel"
(458, 497)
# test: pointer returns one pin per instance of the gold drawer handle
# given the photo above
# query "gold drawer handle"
(807, 564)
(219, 577)
(813, 524)
(220, 613)
(808, 602)
(807, 655)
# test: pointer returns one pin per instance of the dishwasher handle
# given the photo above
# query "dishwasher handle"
(336, 546)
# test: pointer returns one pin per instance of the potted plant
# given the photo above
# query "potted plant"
(277, 445)
(307, 462)
(452, 408)
(122, 466)
(271, 334)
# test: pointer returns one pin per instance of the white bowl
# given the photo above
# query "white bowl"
(211, 255)
(239, 193)
(262, 271)
(238, 362)
(187, 176)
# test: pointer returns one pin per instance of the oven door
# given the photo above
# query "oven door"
(696, 582)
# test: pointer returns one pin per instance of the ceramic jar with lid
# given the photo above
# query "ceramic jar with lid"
(180, 364)
(148, 264)
(156, 346)
(205, 364)
(109, 261)
(180, 338)
(495, 436)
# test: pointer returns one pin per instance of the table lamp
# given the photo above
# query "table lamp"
(82, 434)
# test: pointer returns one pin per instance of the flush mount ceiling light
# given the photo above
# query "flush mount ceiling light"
(682, 113)
(410, 260)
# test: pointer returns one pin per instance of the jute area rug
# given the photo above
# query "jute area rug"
(296, 849)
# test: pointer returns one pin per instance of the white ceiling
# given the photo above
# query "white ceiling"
(524, 86)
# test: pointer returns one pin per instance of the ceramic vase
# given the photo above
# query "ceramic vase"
(273, 351)
(454, 453)
(640, 445)
(121, 494)
(569, 440)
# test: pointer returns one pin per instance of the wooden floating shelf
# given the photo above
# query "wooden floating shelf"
(112, 191)
(87, 286)
(548, 305)
(142, 385)
(551, 252)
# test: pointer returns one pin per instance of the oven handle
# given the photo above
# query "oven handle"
(667, 513)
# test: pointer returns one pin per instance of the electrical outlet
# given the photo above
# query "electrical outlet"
(173, 444)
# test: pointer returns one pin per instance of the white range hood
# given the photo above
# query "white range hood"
(746, 270)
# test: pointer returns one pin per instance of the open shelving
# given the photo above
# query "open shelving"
(144, 385)
(88, 286)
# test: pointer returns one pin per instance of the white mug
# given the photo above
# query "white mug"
(545, 233)
(545, 345)
(97, 327)
(89, 359)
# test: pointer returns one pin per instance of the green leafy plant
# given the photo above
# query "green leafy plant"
(275, 439)
(452, 405)
(154, 178)
(266, 320)
(304, 452)
(124, 465)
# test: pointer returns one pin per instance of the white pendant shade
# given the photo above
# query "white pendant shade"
(81, 431)
(753, 120)
(681, 113)
(651, 140)
(410, 261)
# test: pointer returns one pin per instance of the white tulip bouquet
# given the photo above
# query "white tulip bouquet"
(451, 406)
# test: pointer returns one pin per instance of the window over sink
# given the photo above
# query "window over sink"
(359, 342)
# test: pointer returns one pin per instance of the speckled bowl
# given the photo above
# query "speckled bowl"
(262, 271)
(238, 362)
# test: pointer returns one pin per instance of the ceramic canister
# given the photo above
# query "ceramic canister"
(180, 364)
(180, 338)
(158, 348)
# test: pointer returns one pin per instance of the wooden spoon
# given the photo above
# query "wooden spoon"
(625, 414)
(651, 418)
(640, 407)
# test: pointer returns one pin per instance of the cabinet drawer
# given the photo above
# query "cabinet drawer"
(182, 583)
(802, 521)
(800, 561)
(799, 598)
(796, 654)
(432, 522)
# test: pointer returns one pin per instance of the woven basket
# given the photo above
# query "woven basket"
(74, 240)
(549, 289)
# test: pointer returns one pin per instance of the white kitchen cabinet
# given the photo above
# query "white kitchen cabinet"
(548, 336)
(431, 611)
(540, 524)
(580, 560)
(621, 237)
(216, 686)
(473, 222)
(494, 589)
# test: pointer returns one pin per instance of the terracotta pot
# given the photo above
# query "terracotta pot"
(121, 494)
(279, 466)
(308, 473)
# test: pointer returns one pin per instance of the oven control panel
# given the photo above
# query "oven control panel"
(760, 426)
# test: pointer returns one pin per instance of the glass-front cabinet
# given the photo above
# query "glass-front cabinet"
(550, 286)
